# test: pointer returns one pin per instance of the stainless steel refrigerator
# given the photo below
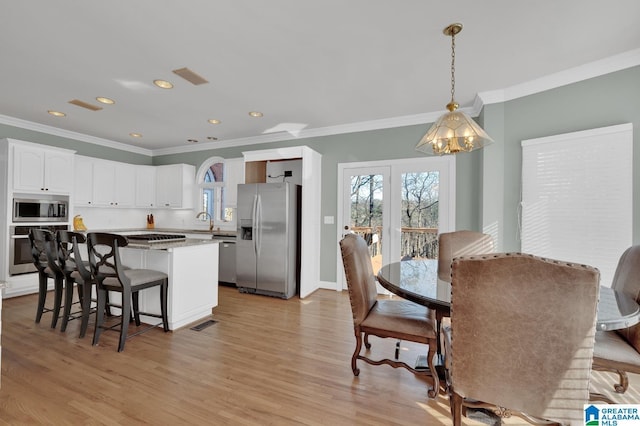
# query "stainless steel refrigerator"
(267, 242)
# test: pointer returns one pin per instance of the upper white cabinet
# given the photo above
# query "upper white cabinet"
(104, 183)
(145, 186)
(43, 170)
(83, 190)
(234, 175)
(113, 184)
(175, 186)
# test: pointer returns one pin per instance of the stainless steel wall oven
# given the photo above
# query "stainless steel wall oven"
(20, 259)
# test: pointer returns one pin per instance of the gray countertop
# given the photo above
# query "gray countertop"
(189, 242)
(204, 232)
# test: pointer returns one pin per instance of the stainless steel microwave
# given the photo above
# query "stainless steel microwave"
(41, 209)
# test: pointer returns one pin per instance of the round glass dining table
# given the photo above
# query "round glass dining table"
(417, 281)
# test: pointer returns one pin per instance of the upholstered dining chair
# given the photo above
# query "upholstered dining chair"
(460, 243)
(111, 275)
(521, 336)
(619, 351)
(399, 319)
(45, 259)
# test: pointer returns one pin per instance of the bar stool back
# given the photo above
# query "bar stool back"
(111, 275)
(45, 258)
(69, 255)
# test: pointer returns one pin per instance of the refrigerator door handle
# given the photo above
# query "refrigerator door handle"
(258, 222)
(254, 222)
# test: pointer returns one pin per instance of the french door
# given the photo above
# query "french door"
(398, 207)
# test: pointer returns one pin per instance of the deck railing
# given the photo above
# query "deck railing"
(417, 243)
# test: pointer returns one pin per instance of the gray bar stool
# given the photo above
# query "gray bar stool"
(45, 259)
(111, 275)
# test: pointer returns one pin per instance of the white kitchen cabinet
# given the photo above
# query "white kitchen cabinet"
(145, 186)
(233, 175)
(83, 190)
(175, 186)
(113, 184)
(42, 170)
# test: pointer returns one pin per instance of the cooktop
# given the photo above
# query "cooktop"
(155, 238)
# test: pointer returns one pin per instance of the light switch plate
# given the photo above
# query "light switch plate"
(328, 220)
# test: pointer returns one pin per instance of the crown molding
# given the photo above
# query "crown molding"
(584, 72)
(605, 66)
(55, 131)
(363, 126)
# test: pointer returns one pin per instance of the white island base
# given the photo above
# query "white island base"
(193, 279)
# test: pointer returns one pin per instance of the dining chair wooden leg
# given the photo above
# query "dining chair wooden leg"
(354, 358)
(456, 408)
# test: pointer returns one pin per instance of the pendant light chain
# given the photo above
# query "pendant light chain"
(453, 66)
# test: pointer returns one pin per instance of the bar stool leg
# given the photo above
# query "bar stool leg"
(57, 301)
(42, 295)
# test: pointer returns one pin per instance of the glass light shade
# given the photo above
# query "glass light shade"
(454, 132)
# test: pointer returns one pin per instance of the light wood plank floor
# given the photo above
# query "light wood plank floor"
(265, 362)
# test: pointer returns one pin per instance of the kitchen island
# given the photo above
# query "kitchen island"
(192, 267)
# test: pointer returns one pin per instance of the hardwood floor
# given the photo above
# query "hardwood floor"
(265, 362)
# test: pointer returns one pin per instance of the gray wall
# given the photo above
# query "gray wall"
(375, 145)
(487, 182)
(598, 102)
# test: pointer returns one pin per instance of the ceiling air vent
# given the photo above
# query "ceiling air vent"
(190, 76)
(85, 105)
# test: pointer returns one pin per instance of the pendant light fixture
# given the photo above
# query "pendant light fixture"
(454, 131)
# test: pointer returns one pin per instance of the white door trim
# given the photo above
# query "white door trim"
(445, 164)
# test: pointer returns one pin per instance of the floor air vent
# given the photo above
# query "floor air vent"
(203, 325)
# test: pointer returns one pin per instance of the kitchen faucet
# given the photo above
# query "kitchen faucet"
(205, 214)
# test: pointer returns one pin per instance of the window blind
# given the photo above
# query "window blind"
(577, 197)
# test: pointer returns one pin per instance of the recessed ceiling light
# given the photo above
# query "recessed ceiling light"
(214, 121)
(255, 114)
(104, 100)
(163, 84)
(192, 140)
(212, 138)
(135, 135)
(57, 113)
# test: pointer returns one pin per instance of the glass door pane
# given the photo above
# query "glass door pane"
(367, 213)
(419, 213)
